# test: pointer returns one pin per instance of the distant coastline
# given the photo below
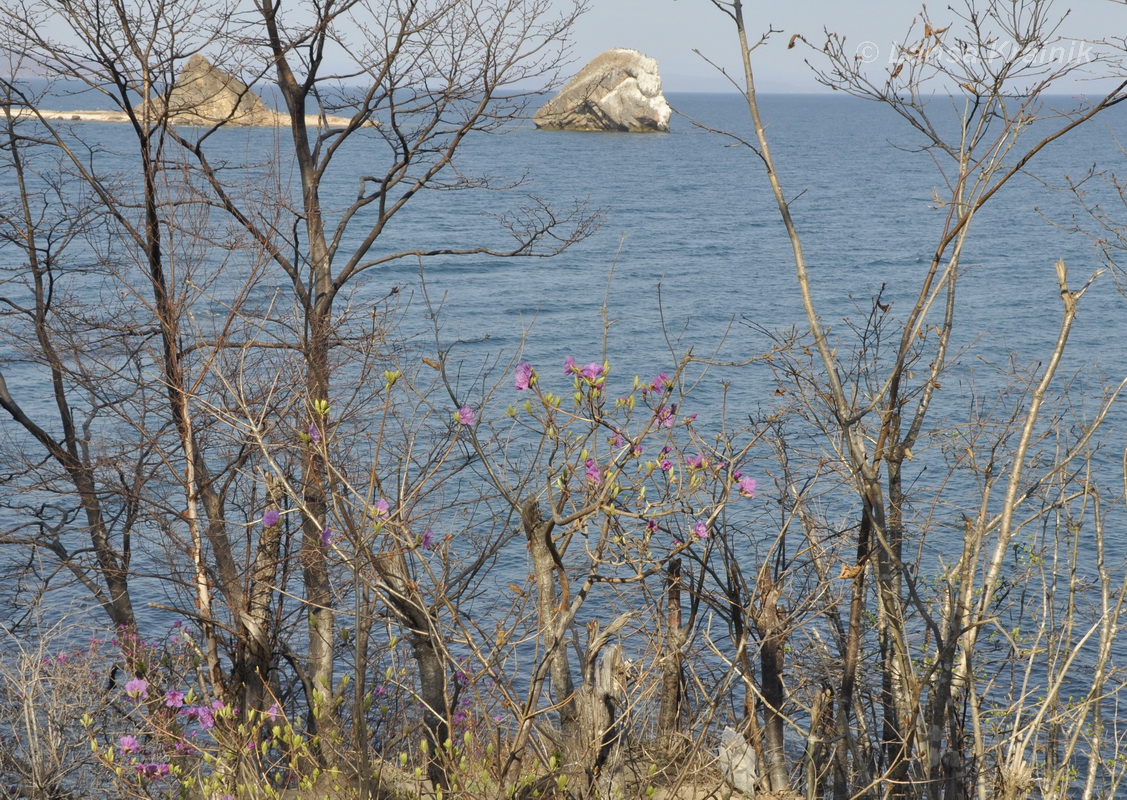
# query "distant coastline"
(90, 115)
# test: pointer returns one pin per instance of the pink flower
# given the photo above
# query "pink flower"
(569, 365)
(524, 376)
(651, 526)
(593, 474)
(428, 539)
(314, 434)
(128, 744)
(466, 416)
(666, 465)
(591, 371)
(153, 770)
(664, 415)
(137, 688)
(747, 487)
(696, 462)
(174, 699)
(617, 440)
(270, 518)
(326, 535)
(273, 712)
(383, 509)
(203, 715)
(660, 382)
(700, 530)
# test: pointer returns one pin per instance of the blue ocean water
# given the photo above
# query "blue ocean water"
(690, 212)
(691, 252)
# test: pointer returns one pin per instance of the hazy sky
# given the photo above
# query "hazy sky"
(669, 30)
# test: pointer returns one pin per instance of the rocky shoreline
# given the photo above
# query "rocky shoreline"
(274, 120)
(203, 96)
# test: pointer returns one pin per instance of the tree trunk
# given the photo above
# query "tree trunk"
(772, 633)
(404, 598)
(669, 708)
(545, 562)
(593, 746)
(850, 658)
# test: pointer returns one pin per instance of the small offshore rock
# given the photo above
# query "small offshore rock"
(619, 90)
(206, 95)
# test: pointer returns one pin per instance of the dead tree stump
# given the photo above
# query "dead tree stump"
(593, 745)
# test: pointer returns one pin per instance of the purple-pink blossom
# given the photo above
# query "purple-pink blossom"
(700, 530)
(593, 474)
(651, 526)
(174, 699)
(273, 712)
(153, 770)
(326, 535)
(660, 382)
(523, 376)
(466, 416)
(138, 687)
(128, 744)
(569, 365)
(271, 517)
(664, 415)
(314, 433)
(201, 714)
(666, 465)
(591, 371)
(747, 487)
(383, 508)
(428, 539)
(696, 462)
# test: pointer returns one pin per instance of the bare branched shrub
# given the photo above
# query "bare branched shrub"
(55, 692)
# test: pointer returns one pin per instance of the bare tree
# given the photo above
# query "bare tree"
(874, 411)
(414, 81)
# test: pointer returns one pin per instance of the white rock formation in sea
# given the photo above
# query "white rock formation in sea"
(206, 95)
(619, 90)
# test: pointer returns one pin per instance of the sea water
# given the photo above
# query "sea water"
(691, 253)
